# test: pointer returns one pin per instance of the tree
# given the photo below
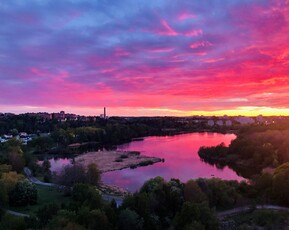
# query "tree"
(3, 196)
(152, 184)
(72, 175)
(220, 193)
(76, 173)
(41, 144)
(10, 179)
(13, 155)
(24, 193)
(46, 165)
(17, 161)
(281, 184)
(129, 219)
(199, 215)
(93, 174)
(193, 193)
(46, 213)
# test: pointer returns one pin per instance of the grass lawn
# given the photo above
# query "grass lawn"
(45, 195)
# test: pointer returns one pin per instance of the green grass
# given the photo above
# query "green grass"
(40, 178)
(46, 195)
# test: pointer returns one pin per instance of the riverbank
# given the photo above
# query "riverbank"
(115, 160)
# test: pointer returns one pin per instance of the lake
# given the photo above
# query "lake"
(181, 160)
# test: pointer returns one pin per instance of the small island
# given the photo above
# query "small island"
(115, 160)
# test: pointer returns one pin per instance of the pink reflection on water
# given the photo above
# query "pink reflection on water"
(57, 164)
(181, 160)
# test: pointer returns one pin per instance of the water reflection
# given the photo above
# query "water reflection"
(181, 160)
(57, 164)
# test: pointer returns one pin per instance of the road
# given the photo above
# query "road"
(235, 211)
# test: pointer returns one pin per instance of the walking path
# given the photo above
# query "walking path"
(106, 197)
(16, 213)
(235, 211)
(34, 180)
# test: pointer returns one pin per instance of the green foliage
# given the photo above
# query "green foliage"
(152, 184)
(62, 137)
(3, 195)
(10, 179)
(93, 174)
(41, 144)
(46, 213)
(5, 168)
(221, 194)
(12, 222)
(12, 154)
(198, 215)
(72, 175)
(76, 173)
(254, 149)
(24, 193)
(129, 219)
(89, 134)
(280, 184)
(213, 153)
(31, 222)
(87, 195)
(162, 204)
(65, 219)
(46, 165)
(193, 193)
(260, 219)
(269, 219)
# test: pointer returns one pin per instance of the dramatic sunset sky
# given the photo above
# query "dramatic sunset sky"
(145, 57)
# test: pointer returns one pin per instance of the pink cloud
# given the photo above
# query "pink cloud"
(168, 30)
(185, 16)
(194, 33)
(200, 44)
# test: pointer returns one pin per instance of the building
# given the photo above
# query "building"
(104, 116)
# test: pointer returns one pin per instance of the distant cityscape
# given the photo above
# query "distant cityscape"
(60, 116)
(210, 122)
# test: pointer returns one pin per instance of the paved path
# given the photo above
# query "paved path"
(235, 211)
(34, 180)
(16, 213)
(30, 177)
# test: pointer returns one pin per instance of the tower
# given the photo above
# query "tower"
(104, 113)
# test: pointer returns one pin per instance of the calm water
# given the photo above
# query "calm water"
(181, 160)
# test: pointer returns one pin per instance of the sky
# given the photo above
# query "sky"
(145, 57)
